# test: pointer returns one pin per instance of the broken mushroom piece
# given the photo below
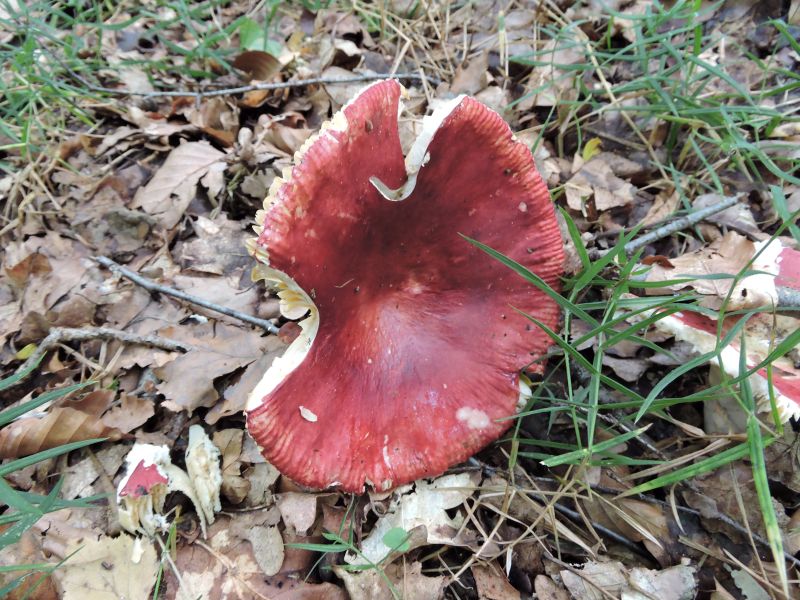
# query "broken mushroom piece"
(774, 284)
(410, 355)
(143, 489)
(150, 476)
(762, 333)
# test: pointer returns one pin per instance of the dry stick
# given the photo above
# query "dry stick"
(152, 286)
(673, 227)
(59, 335)
(256, 86)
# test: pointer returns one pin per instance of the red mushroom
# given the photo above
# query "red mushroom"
(776, 275)
(410, 358)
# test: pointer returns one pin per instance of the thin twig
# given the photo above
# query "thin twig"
(281, 85)
(681, 224)
(60, 335)
(152, 286)
(672, 227)
(722, 518)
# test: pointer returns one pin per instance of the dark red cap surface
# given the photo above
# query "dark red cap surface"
(142, 480)
(415, 366)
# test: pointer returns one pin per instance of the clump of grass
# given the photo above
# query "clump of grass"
(677, 93)
(55, 62)
(602, 402)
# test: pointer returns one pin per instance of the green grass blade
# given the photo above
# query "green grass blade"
(578, 456)
(27, 461)
(14, 413)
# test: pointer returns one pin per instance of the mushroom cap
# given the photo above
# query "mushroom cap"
(141, 480)
(410, 359)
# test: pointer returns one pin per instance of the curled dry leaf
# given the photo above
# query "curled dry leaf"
(234, 487)
(597, 179)
(259, 65)
(58, 426)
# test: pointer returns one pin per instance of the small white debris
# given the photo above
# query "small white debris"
(474, 418)
(523, 207)
(308, 415)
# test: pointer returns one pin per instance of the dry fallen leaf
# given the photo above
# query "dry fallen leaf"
(492, 584)
(108, 568)
(471, 77)
(234, 487)
(58, 426)
(727, 255)
(259, 65)
(224, 567)
(298, 510)
(738, 217)
(178, 176)
(664, 206)
(553, 79)
(235, 397)
(408, 582)
(27, 551)
(188, 381)
(80, 478)
(132, 412)
(425, 507)
(547, 589)
(597, 179)
(261, 530)
(596, 579)
(218, 247)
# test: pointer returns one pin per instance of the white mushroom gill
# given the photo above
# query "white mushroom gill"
(294, 303)
(418, 154)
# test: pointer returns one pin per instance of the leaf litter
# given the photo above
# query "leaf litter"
(168, 186)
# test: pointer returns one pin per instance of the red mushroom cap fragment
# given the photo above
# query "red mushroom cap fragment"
(776, 271)
(760, 337)
(410, 359)
(141, 480)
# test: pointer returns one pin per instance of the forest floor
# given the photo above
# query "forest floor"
(655, 459)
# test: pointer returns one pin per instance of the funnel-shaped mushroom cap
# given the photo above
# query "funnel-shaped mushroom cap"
(410, 359)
